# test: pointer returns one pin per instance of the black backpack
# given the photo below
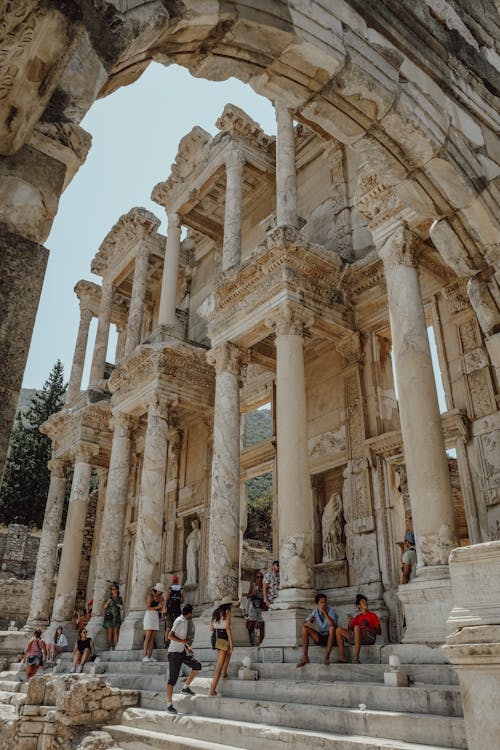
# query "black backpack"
(174, 602)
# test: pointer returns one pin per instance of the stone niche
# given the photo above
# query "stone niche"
(330, 563)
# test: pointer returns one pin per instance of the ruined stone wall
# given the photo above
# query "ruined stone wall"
(15, 596)
(19, 550)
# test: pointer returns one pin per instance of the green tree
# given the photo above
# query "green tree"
(23, 493)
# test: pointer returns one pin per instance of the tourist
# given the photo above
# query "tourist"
(151, 623)
(34, 654)
(113, 615)
(409, 559)
(179, 653)
(320, 627)
(83, 651)
(173, 605)
(220, 624)
(255, 602)
(362, 630)
(81, 619)
(59, 645)
(272, 584)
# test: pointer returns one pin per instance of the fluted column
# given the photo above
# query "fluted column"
(136, 311)
(113, 519)
(75, 378)
(69, 566)
(166, 315)
(120, 343)
(231, 248)
(149, 528)
(425, 454)
(224, 547)
(286, 175)
(102, 334)
(41, 599)
(295, 507)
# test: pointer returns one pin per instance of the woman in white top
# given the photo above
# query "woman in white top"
(221, 625)
(60, 644)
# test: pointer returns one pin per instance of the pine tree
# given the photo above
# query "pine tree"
(23, 493)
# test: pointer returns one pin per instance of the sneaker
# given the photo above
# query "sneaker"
(72, 670)
(187, 691)
(78, 670)
(146, 658)
(171, 709)
(151, 658)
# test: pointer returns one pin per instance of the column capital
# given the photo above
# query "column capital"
(227, 357)
(162, 405)
(85, 453)
(58, 467)
(174, 437)
(288, 320)
(401, 248)
(234, 158)
(86, 314)
(122, 422)
(174, 219)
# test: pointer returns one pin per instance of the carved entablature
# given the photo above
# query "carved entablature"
(179, 368)
(456, 426)
(193, 150)
(286, 268)
(132, 228)
(235, 121)
(456, 296)
(70, 429)
(387, 445)
(379, 204)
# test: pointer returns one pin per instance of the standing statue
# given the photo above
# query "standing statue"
(193, 543)
(331, 529)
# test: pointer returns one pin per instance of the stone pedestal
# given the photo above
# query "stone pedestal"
(75, 378)
(473, 643)
(166, 315)
(102, 334)
(284, 627)
(149, 530)
(111, 536)
(69, 566)
(47, 552)
(424, 450)
(224, 547)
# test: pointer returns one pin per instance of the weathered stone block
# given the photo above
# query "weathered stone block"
(36, 691)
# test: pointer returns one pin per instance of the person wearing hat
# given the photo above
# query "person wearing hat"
(173, 604)
(151, 623)
(409, 559)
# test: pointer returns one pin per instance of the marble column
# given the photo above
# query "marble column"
(429, 483)
(231, 248)
(166, 315)
(224, 547)
(75, 378)
(41, 599)
(102, 334)
(113, 519)
(286, 175)
(69, 566)
(120, 344)
(136, 311)
(295, 504)
(149, 529)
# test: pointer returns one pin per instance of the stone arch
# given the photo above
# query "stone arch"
(351, 73)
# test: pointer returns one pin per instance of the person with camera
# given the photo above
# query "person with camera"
(361, 630)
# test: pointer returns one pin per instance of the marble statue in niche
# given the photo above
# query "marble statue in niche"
(332, 529)
(193, 543)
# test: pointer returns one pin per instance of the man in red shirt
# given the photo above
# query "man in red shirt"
(362, 630)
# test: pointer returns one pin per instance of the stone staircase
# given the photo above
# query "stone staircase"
(336, 707)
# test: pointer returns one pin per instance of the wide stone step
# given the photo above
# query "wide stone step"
(253, 734)
(139, 739)
(429, 674)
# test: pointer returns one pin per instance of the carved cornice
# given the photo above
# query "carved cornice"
(193, 149)
(456, 296)
(386, 445)
(235, 121)
(134, 226)
(456, 425)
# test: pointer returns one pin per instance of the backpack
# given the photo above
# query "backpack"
(174, 601)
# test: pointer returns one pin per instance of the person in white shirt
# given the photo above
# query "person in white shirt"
(60, 644)
(179, 653)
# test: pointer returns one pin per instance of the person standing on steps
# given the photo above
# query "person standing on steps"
(271, 584)
(409, 559)
(113, 615)
(34, 654)
(151, 622)
(362, 630)
(320, 627)
(173, 605)
(221, 626)
(179, 653)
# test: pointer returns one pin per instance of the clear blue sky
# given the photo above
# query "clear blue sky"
(135, 134)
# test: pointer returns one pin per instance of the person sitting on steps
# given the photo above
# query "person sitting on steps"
(362, 630)
(320, 626)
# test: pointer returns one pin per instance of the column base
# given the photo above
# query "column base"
(284, 626)
(427, 602)
(131, 632)
(35, 624)
(98, 633)
(294, 599)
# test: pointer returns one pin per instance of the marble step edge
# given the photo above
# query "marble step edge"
(122, 733)
(259, 735)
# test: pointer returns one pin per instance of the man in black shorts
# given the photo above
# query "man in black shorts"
(179, 653)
